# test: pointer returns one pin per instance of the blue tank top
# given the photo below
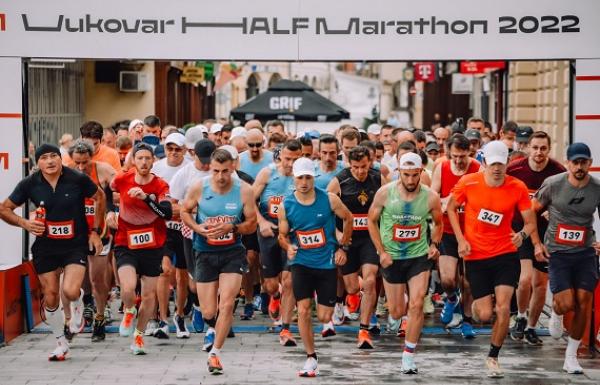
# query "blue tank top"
(278, 187)
(312, 229)
(215, 208)
(322, 178)
(251, 168)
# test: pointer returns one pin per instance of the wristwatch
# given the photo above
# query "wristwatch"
(436, 244)
(97, 230)
(345, 247)
(523, 235)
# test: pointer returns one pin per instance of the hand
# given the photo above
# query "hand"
(34, 227)
(291, 252)
(201, 229)
(516, 239)
(541, 252)
(596, 246)
(111, 220)
(219, 230)
(385, 260)
(340, 257)
(444, 202)
(94, 243)
(266, 229)
(137, 192)
(464, 248)
(433, 253)
(166, 265)
(546, 215)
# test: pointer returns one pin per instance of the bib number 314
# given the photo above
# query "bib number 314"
(311, 239)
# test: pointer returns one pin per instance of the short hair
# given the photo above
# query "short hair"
(540, 135)
(344, 127)
(358, 153)
(81, 146)
(227, 127)
(108, 130)
(424, 157)
(277, 138)
(221, 155)
(292, 145)
(91, 129)
(328, 139)
(124, 142)
(168, 130)
(420, 136)
(368, 144)
(397, 130)
(510, 126)
(407, 146)
(475, 119)
(121, 125)
(350, 134)
(305, 141)
(275, 123)
(152, 121)
(379, 146)
(458, 141)
(387, 127)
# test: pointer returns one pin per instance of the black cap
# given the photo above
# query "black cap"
(159, 151)
(432, 146)
(578, 151)
(46, 149)
(142, 146)
(523, 134)
(473, 134)
(204, 149)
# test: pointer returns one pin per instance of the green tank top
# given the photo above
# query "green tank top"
(403, 225)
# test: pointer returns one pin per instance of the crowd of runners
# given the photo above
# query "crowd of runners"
(349, 226)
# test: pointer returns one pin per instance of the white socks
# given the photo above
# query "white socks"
(572, 347)
(214, 351)
(55, 318)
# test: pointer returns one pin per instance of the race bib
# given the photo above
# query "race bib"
(490, 217)
(406, 233)
(273, 206)
(141, 239)
(311, 239)
(174, 225)
(570, 235)
(360, 222)
(60, 230)
(225, 239)
(90, 209)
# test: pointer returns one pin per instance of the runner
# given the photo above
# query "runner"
(101, 174)
(327, 167)
(307, 232)
(139, 241)
(220, 257)
(93, 131)
(450, 264)
(533, 281)
(63, 241)
(357, 186)
(397, 223)
(272, 184)
(571, 199)
(256, 158)
(488, 245)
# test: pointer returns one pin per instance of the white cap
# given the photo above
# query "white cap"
(232, 150)
(374, 129)
(299, 134)
(303, 166)
(192, 135)
(410, 161)
(238, 131)
(216, 127)
(134, 123)
(495, 152)
(176, 138)
(362, 130)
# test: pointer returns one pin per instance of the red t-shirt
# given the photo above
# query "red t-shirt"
(449, 180)
(489, 212)
(139, 226)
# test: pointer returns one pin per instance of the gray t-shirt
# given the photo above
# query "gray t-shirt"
(571, 210)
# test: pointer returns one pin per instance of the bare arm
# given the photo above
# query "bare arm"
(453, 218)
(344, 214)
(435, 206)
(249, 224)
(373, 225)
(334, 187)
(188, 206)
(436, 180)
(8, 215)
(284, 230)
(425, 178)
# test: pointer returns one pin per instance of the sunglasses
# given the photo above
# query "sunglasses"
(255, 145)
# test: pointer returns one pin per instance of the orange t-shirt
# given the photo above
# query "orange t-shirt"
(489, 212)
(105, 154)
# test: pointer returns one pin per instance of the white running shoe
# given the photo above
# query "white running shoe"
(381, 310)
(457, 319)
(493, 368)
(151, 327)
(77, 323)
(328, 330)
(393, 324)
(555, 325)
(572, 366)
(338, 314)
(60, 353)
(408, 364)
(180, 327)
(310, 368)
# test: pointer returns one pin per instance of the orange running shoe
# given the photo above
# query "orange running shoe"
(286, 338)
(364, 339)
(353, 302)
(214, 365)
(137, 347)
(274, 307)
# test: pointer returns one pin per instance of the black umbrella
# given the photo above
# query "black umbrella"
(290, 100)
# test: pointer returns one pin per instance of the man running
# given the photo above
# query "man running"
(397, 223)
(533, 281)
(272, 184)
(101, 174)
(63, 241)
(307, 233)
(357, 186)
(488, 245)
(139, 241)
(221, 202)
(256, 158)
(450, 264)
(571, 199)
(327, 166)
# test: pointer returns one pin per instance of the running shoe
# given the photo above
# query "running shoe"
(393, 324)
(67, 332)
(408, 364)
(214, 365)
(328, 330)
(350, 316)
(403, 326)
(209, 339)
(162, 331)
(428, 308)
(532, 338)
(457, 319)
(77, 322)
(257, 302)
(99, 330)
(493, 368)
(137, 347)
(128, 323)
(310, 368)
(374, 326)
(286, 338)
(180, 327)
(381, 309)
(353, 302)
(60, 353)
(448, 311)
(108, 316)
(555, 325)
(518, 331)
(88, 314)
(572, 366)
(274, 308)
(364, 340)
(248, 313)
(197, 320)
(466, 330)
(151, 327)
(338, 314)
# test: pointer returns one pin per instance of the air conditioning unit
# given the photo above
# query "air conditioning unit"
(133, 81)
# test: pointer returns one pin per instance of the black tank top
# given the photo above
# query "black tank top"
(358, 196)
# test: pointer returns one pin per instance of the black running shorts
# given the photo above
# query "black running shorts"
(306, 281)
(484, 275)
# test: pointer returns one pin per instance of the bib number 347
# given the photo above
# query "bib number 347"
(490, 217)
